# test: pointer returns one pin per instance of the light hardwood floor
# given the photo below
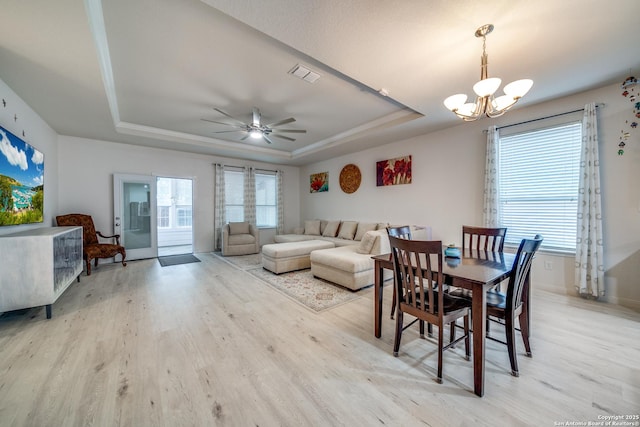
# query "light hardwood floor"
(205, 344)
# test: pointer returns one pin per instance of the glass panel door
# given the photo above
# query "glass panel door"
(135, 214)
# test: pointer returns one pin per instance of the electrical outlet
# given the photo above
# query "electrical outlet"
(548, 265)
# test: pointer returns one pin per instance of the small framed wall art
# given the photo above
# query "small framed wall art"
(319, 182)
(393, 171)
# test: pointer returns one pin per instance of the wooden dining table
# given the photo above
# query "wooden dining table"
(475, 270)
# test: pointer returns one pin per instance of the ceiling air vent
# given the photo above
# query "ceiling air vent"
(304, 73)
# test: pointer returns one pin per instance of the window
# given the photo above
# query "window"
(266, 209)
(234, 195)
(538, 180)
(163, 216)
(184, 216)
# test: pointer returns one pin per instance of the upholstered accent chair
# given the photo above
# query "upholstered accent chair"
(240, 238)
(91, 246)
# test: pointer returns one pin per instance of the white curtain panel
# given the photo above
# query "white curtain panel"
(280, 202)
(219, 219)
(490, 208)
(250, 195)
(589, 275)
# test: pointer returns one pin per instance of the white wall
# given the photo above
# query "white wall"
(448, 182)
(86, 181)
(39, 135)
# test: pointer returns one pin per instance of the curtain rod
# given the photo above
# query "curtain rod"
(599, 105)
(242, 167)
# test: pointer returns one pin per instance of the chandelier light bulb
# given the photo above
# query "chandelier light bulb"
(519, 88)
(455, 101)
(487, 87)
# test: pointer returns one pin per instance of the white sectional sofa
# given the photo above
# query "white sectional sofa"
(340, 233)
(349, 263)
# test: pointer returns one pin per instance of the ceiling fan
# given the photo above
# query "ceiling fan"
(256, 129)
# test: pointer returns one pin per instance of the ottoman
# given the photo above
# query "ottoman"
(283, 257)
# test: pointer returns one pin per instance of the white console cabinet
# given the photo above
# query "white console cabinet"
(36, 266)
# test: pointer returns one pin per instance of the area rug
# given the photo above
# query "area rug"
(168, 260)
(243, 262)
(316, 294)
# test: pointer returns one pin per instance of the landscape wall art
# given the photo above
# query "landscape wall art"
(21, 181)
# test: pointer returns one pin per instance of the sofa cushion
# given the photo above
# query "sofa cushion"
(366, 243)
(382, 225)
(348, 230)
(312, 227)
(344, 258)
(331, 229)
(238, 228)
(241, 239)
(363, 227)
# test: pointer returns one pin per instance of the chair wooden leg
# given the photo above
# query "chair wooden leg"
(467, 346)
(393, 302)
(524, 330)
(124, 255)
(440, 345)
(421, 322)
(396, 341)
(511, 344)
(452, 332)
(430, 329)
(88, 264)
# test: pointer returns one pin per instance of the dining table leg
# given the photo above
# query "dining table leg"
(377, 298)
(479, 314)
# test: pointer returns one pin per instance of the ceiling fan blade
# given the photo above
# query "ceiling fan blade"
(282, 122)
(282, 137)
(290, 130)
(256, 116)
(227, 131)
(244, 137)
(222, 123)
(231, 117)
(266, 138)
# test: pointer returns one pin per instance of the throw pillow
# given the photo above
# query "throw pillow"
(348, 230)
(312, 227)
(331, 229)
(323, 225)
(367, 242)
(363, 227)
(238, 228)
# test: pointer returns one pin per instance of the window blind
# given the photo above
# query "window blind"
(266, 210)
(234, 195)
(538, 185)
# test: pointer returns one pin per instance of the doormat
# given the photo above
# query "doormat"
(166, 261)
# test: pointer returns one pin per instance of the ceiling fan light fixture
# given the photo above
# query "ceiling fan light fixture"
(485, 103)
(255, 134)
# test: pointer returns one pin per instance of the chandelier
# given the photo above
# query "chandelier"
(485, 102)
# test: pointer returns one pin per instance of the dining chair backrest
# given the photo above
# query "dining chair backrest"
(518, 280)
(483, 238)
(413, 262)
(403, 232)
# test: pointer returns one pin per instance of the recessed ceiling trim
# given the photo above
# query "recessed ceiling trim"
(99, 32)
(203, 141)
(393, 119)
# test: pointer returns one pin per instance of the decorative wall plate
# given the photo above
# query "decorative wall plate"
(350, 178)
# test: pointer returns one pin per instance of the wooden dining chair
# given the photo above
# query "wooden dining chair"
(480, 239)
(418, 280)
(483, 238)
(506, 307)
(403, 232)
